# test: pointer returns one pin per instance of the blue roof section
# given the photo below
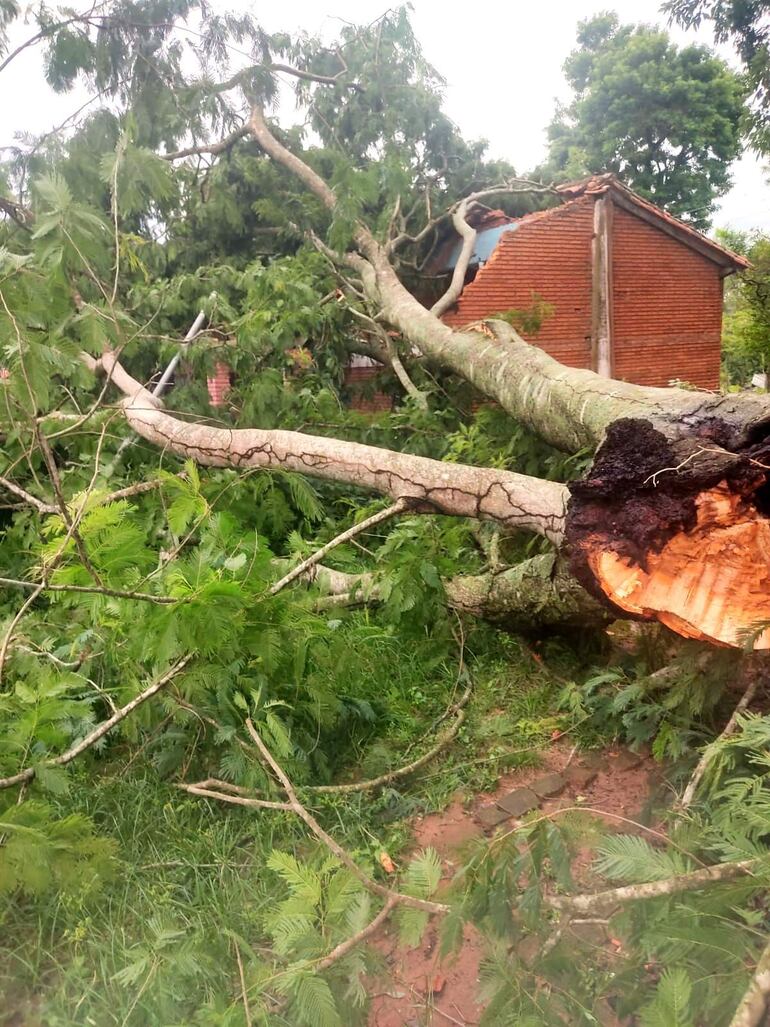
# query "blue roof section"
(485, 244)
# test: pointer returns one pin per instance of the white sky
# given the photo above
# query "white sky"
(502, 62)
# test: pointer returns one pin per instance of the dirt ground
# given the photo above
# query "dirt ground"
(420, 990)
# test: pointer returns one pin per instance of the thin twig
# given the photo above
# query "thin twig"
(330, 843)
(53, 472)
(302, 568)
(244, 990)
(350, 943)
(100, 730)
(410, 768)
(116, 593)
(214, 149)
(28, 497)
(36, 590)
(710, 751)
(235, 800)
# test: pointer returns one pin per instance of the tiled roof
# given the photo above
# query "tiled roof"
(598, 185)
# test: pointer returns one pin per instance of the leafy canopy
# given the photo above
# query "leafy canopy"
(666, 120)
(746, 24)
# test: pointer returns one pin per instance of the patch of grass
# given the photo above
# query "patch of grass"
(157, 943)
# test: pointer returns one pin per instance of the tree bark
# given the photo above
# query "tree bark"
(669, 523)
(537, 593)
(515, 500)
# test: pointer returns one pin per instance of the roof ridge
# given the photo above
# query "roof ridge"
(609, 182)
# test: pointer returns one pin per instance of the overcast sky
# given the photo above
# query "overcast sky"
(502, 63)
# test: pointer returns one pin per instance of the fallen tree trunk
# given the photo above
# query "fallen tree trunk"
(677, 530)
(669, 524)
(684, 543)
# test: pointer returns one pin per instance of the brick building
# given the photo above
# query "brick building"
(630, 291)
(624, 288)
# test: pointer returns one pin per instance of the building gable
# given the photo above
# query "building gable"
(632, 292)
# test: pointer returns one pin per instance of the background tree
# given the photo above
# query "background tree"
(747, 26)
(746, 332)
(667, 120)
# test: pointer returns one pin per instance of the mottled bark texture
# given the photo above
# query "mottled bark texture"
(537, 593)
(515, 500)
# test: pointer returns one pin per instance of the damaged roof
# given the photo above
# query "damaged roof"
(491, 225)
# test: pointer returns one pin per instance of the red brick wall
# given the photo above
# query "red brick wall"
(359, 382)
(667, 307)
(219, 386)
(550, 256)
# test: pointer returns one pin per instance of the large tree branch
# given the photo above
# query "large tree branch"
(569, 407)
(515, 500)
(468, 235)
(278, 152)
(538, 592)
(514, 187)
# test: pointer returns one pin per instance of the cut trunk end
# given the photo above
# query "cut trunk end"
(685, 543)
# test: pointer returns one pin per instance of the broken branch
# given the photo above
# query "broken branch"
(753, 1005)
(100, 730)
(599, 901)
(382, 515)
(710, 751)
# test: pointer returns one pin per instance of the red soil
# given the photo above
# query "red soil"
(422, 990)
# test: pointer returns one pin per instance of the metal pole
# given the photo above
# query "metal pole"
(165, 378)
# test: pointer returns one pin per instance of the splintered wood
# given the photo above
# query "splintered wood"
(711, 583)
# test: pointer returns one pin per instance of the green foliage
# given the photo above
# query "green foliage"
(136, 178)
(40, 852)
(420, 881)
(745, 26)
(666, 120)
(670, 1007)
(670, 713)
(126, 901)
(630, 858)
(528, 320)
(746, 324)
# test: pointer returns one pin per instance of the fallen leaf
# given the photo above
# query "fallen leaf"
(387, 863)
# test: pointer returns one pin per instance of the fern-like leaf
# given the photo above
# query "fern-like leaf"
(312, 999)
(302, 880)
(630, 858)
(671, 1005)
